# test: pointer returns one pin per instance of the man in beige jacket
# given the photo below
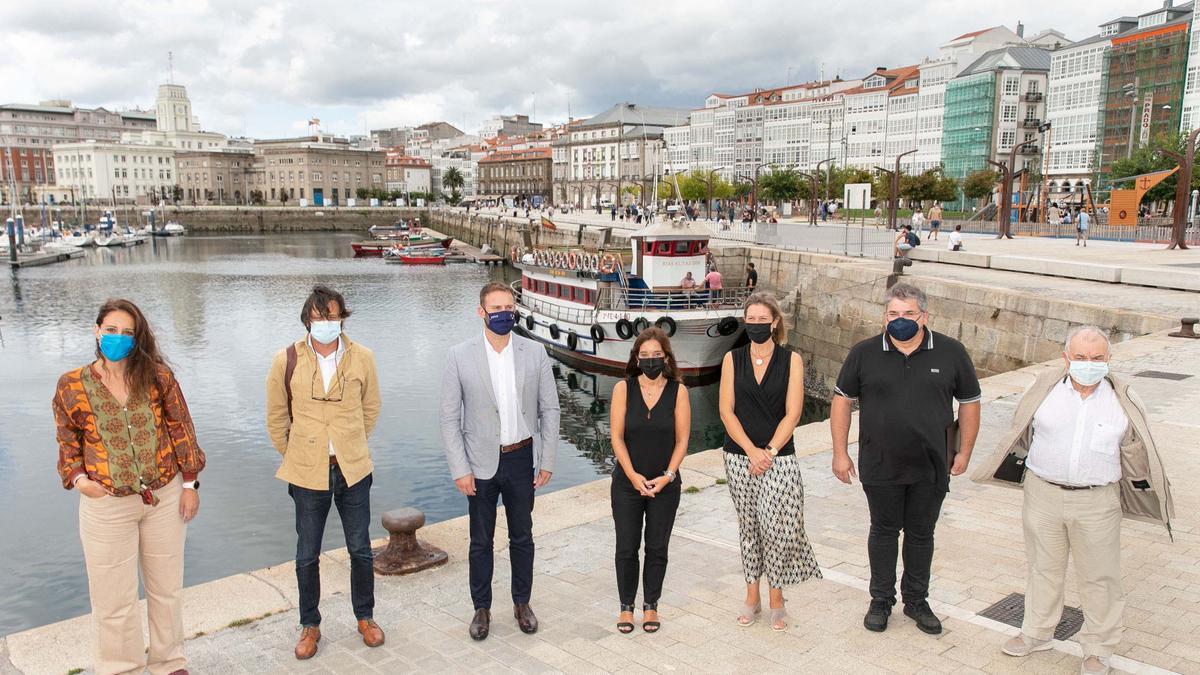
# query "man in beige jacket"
(1081, 446)
(322, 404)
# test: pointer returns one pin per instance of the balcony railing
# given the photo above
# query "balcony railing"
(1032, 96)
(1031, 123)
(1030, 149)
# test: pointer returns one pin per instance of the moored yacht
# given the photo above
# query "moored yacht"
(589, 307)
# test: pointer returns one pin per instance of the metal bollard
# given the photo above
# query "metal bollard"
(1187, 329)
(404, 554)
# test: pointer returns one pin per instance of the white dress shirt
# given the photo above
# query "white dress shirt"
(1076, 440)
(503, 368)
(328, 365)
(955, 238)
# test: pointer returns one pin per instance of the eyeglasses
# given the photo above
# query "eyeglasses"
(911, 314)
(329, 396)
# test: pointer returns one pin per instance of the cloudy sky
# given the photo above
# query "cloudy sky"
(263, 68)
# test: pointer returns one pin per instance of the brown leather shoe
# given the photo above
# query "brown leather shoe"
(481, 625)
(306, 648)
(525, 618)
(181, 671)
(371, 632)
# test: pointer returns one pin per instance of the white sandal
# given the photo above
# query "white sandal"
(749, 615)
(779, 616)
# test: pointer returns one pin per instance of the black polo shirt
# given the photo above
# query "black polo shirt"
(905, 406)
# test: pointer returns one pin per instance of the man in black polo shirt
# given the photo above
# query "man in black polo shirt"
(903, 380)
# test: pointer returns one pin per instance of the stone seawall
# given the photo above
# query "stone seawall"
(247, 218)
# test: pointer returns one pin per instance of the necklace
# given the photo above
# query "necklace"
(650, 396)
(758, 360)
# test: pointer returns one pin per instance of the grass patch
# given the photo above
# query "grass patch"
(721, 481)
(74, 671)
(692, 490)
(236, 623)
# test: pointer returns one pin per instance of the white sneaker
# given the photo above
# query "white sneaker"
(1094, 665)
(1023, 645)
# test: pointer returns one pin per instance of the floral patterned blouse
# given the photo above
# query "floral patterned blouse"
(126, 449)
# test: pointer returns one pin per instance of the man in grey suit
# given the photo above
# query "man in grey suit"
(500, 428)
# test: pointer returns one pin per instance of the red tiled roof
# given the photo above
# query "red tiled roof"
(898, 77)
(514, 155)
(973, 34)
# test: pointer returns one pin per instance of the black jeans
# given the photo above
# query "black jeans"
(514, 483)
(312, 510)
(914, 509)
(630, 509)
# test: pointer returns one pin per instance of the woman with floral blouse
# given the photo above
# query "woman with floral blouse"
(127, 444)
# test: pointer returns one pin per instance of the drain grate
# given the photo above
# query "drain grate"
(1011, 610)
(1160, 375)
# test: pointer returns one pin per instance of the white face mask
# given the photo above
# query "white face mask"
(325, 332)
(1088, 373)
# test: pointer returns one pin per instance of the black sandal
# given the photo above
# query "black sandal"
(625, 627)
(650, 626)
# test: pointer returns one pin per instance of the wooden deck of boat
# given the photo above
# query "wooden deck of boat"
(472, 253)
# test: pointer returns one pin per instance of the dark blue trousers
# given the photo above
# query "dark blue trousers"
(513, 483)
(312, 510)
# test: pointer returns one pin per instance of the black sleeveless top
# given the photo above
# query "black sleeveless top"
(649, 434)
(760, 407)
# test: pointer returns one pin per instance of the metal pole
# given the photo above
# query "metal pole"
(1132, 115)
(12, 240)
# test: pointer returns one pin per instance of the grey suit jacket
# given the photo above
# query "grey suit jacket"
(471, 419)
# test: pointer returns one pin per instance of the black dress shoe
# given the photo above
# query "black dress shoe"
(877, 615)
(525, 618)
(481, 624)
(926, 620)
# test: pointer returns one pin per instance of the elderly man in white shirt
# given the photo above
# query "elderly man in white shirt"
(1072, 433)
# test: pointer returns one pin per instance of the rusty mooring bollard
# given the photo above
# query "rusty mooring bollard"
(1187, 329)
(403, 553)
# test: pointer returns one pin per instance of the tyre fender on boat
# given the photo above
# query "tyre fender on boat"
(608, 264)
(624, 329)
(572, 260)
(555, 331)
(727, 326)
(597, 332)
(667, 324)
(529, 322)
(572, 340)
(595, 263)
(640, 325)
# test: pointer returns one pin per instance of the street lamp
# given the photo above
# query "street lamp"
(1183, 181)
(754, 193)
(812, 212)
(1006, 177)
(894, 188)
(1131, 92)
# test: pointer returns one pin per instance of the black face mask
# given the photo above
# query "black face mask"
(758, 332)
(652, 368)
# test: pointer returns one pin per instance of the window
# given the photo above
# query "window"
(1008, 112)
(1012, 86)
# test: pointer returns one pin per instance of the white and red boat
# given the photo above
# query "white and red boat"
(376, 247)
(416, 256)
(588, 308)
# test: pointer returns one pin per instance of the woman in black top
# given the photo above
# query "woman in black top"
(762, 395)
(651, 419)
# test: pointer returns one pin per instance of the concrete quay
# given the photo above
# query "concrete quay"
(248, 623)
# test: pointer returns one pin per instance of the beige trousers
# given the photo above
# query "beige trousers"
(1087, 525)
(121, 535)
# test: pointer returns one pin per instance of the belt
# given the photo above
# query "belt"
(1073, 487)
(505, 449)
(333, 460)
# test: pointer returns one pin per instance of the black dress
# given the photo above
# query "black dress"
(650, 439)
(760, 407)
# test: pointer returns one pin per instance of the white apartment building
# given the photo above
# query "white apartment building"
(1190, 119)
(175, 124)
(869, 138)
(466, 160)
(678, 151)
(102, 172)
(1073, 100)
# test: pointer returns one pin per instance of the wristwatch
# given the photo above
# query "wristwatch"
(192, 485)
(669, 474)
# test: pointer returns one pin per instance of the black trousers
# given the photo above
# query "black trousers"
(514, 483)
(914, 509)
(630, 510)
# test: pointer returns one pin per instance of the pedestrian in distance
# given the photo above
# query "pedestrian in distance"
(761, 400)
(935, 221)
(918, 221)
(1082, 223)
(1081, 448)
(127, 444)
(499, 424)
(906, 452)
(650, 424)
(903, 242)
(322, 405)
(956, 239)
(751, 277)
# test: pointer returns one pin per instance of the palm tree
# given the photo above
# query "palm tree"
(452, 179)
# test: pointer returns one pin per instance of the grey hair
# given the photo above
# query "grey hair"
(907, 292)
(1086, 330)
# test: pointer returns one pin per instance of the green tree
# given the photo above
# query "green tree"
(780, 185)
(980, 184)
(361, 193)
(1150, 158)
(452, 178)
(742, 190)
(454, 198)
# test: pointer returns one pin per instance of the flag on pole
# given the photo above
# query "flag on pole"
(548, 224)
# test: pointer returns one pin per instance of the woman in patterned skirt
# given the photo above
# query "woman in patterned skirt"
(762, 395)
(127, 444)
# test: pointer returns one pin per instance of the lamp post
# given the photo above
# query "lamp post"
(709, 177)
(894, 188)
(754, 193)
(812, 212)
(1131, 92)
(1183, 183)
(1006, 177)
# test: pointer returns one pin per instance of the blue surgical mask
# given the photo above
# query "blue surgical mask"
(116, 346)
(501, 323)
(1088, 373)
(325, 332)
(903, 329)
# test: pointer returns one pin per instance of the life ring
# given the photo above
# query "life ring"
(572, 340)
(529, 322)
(640, 325)
(608, 264)
(667, 324)
(597, 332)
(624, 329)
(727, 326)
(554, 331)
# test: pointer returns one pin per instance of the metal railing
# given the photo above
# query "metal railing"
(639, 299)
(860, 241)
(1103, 231)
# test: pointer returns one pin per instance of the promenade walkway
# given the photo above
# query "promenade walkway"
(980, 560)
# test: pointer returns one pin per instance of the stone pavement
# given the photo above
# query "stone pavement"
(980, 559)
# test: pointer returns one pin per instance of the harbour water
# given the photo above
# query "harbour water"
(221, 307)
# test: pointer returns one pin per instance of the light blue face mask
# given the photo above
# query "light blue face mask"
(1088, 373)
(325, 332)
